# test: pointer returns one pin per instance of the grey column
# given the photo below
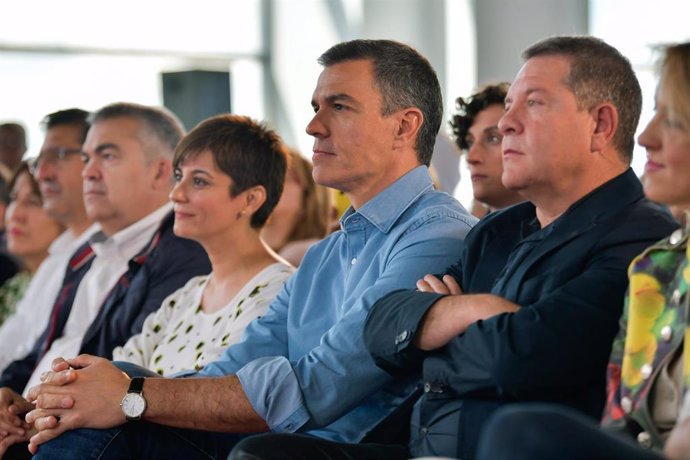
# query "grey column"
(506, 27)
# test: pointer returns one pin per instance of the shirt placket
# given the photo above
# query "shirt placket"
(355, 242)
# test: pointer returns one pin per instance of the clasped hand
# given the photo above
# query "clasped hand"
(13, 429)
(77, 393)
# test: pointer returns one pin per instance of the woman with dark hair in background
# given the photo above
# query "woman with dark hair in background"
(475, 128)
(29, 234)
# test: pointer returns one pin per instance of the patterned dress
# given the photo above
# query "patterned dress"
(181, 336)
(650, 347)
(12, 292)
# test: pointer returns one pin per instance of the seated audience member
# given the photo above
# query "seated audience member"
(30, 232)
(302, 366)
(130, 266)
(475, 127)
(230, 173)
(529, 311)
(12, 147)
(4, 202)
(648, 406)
(57, 170)
(302, 215)
(8, 264)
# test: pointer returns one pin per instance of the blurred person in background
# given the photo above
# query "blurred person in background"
(57, 170)
(302, 215)
(12, 147)
(30, 231)
(8, 264)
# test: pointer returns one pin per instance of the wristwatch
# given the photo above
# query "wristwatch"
(134, 404)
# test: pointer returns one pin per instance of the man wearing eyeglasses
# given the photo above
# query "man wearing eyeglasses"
(58, 172)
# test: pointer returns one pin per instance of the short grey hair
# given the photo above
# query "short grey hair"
(158, 122)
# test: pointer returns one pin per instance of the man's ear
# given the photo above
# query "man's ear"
(605, 118)
(162, 173)
(409, 122)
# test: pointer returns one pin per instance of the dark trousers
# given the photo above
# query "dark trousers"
(18, 452)
(304, 447)
(547, 431)
(138, 441)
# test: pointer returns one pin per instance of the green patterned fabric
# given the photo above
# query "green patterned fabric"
(12, 292)
(651, 335)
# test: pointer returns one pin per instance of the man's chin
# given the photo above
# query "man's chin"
(53, 209)
(97, 213)
(322, 178)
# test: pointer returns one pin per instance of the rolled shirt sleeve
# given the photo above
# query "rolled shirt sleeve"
(304, 365)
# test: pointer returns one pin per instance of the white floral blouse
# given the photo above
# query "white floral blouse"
(180, 336)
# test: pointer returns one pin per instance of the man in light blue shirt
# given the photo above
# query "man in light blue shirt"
(303, 367)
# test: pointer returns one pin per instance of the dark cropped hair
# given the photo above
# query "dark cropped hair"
(16, 130)
(598, 73)
(158, 122)
(75, 117)
(24, 168)
(404, 78)
(469, 108)
(248, 152)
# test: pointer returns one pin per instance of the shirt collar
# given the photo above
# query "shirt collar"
(384, 209)
(596, 205)
(130, 235)
(68, 242)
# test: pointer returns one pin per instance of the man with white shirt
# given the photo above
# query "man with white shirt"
(135, 259)
(58, 172)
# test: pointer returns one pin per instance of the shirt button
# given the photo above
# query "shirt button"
(666, 333)
(400, 338)
(646, 370)
(644, 439)
(675, 298)
(676, 236)
(427, 387)
(626, 405)
(353, 261)
(424, 430)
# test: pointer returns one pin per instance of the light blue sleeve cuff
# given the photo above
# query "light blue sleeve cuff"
(184, 374)
(273, 391)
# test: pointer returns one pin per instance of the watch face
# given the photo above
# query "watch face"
(133, 405)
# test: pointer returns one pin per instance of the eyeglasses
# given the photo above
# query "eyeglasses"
(55, 156)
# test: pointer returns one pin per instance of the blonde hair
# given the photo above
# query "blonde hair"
(674, 79)
(316, 201)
